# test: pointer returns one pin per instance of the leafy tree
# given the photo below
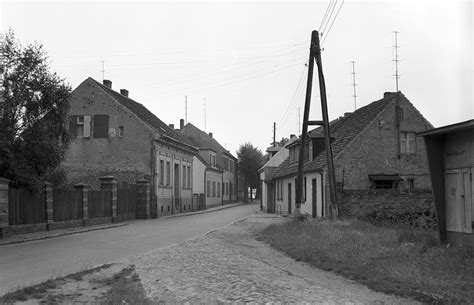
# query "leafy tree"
(251, 160)
(33, 134)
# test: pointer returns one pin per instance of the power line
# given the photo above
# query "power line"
(325, 15)
(323, 32)
(294, 95)
(299, 121)
(330, 27)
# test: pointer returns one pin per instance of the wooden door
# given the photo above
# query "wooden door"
(289, 198)
(454, 202)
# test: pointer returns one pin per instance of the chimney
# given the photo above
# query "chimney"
(171, 126)
(347, 113)
(124, 92)
(292, 136)
(210, 134)
(107, 83)
(387, 94)
(181, 124)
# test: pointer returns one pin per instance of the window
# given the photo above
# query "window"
(407, 143)
(227, 188)
(218, 189)
(168, 173)
(101, 126)
(80, 126)
(213, 189)
(411, 183)
(230, 187)
(226, 164)
(383, 184)
(162, 172)
(231, 165)
(189, 176)
(212, 159)
(304, 187)
(208, 189)
(121, 132)
(184, 175)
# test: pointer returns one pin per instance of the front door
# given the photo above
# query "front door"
(289, 198)
(177, 206)
(458, 194)
(313, 197)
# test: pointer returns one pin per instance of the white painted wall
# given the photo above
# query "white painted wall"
(198, 176)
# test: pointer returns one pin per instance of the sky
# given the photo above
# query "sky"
(241, 65)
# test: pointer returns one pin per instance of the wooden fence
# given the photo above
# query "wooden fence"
(25, 207)
(67, 205)
(127, 201)
(100, 204)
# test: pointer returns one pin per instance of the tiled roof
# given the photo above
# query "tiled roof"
(145, 115)
(203, 140)
(208, 166)
(345, 129)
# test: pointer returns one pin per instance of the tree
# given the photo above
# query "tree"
(250, 161)
(33, 134)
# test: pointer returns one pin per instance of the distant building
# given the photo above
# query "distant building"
(369, 150)
(215, 164)
(111, 134)
(450, 151)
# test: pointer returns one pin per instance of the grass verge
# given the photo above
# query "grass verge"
(398, 260)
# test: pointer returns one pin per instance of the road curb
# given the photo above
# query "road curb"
(59, 234)
(205, 211)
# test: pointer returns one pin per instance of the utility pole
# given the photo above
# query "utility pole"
(315, 54)
(103, 70)
(185, 109)
(274, 132)
(354, 85)
(397, 104)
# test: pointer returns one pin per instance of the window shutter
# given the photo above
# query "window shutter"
(101, 126)
(72, 126)
(87, 126)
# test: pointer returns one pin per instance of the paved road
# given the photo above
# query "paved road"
(33, 262)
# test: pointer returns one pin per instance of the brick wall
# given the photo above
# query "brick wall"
(376, 151)
(127, 158)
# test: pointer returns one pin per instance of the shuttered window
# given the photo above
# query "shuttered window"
(101, 126)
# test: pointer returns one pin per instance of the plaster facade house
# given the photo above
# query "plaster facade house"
(111, 134)
(369, 151)
(278, 155)
(215, 163)
(450, 151)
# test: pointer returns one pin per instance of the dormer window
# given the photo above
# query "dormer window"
(212, 159)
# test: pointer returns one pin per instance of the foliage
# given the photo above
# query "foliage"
(33, 134)
(251, 160)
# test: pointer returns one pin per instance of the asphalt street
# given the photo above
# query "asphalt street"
(33, 262)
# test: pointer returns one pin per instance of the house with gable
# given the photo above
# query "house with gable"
(213, 162)
(111, 134)
(370, 151)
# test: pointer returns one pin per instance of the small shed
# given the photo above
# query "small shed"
(450, 152)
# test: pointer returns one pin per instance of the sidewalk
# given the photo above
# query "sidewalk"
(21, 238)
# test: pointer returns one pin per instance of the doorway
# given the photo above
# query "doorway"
(313, 198)
(289, 198)
(177, 206)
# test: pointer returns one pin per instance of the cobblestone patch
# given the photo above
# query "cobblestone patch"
(230, 266)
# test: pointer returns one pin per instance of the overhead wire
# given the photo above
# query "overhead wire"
(325, 15)
(323, 31)
(330, 27)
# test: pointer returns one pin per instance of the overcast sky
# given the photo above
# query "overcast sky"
(244, 59)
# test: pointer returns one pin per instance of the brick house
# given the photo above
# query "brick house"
(111, 134)
(213, 162)
(370, 152)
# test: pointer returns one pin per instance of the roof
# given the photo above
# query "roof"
(466, 125)
(206, 164)
(345, 128)
(145, 115)
(203, 140)
(276, 160)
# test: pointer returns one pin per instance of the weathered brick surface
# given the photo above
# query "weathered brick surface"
(28, 228)
(143, 199)
(66, 224)
(127, 158)
(376, 151)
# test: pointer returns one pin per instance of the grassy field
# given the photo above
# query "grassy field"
(397, 260)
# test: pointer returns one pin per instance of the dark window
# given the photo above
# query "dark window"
(230, 187)
(121, 131)
(213, 189)
(208, 193)
(218, 189)
(161, 208)
(384, 184)
(184, 175)
(189, 176)
(101, 126)
(411, 183)
(168, 208)
(162, 172)
(168, 173)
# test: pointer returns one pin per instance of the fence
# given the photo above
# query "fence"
(67, 205)
(26, 207)
(100, 204)
(127, 201)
